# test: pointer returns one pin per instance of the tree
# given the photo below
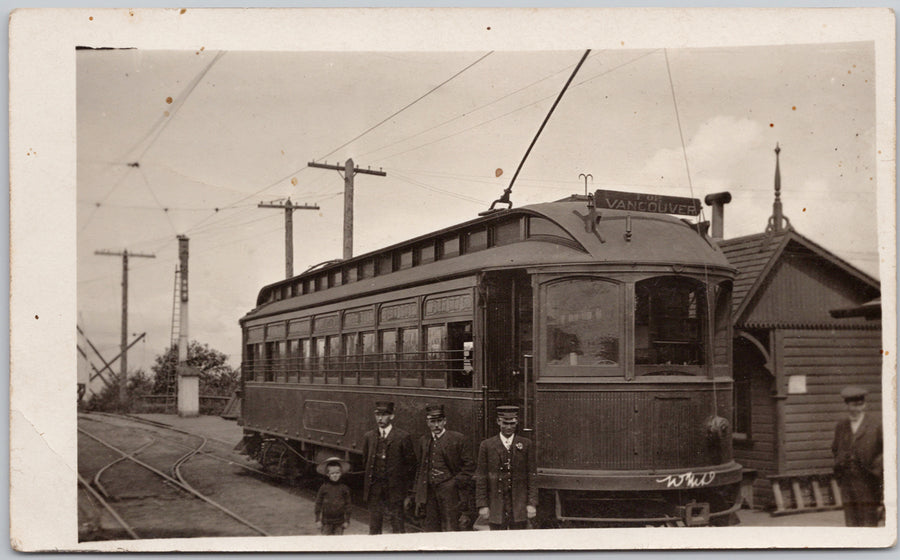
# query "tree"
(216, 376)
(107, 400)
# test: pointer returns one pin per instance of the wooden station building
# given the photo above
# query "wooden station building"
(806, 324)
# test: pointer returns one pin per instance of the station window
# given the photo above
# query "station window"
(584, 327)
(669, 318)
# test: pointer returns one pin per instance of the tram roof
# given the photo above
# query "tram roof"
(565, 238)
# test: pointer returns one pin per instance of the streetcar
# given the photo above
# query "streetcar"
(604, 317)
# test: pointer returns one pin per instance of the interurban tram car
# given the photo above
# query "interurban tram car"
(608, 327)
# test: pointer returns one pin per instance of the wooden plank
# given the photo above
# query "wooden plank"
(798, 495)
(817, 493)
(836, 492)
(779, 497)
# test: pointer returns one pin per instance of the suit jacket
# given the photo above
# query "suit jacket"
(859, 455)
(457, 457)
(488, 491)
(400, 462)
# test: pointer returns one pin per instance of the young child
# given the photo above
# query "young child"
(333, 498)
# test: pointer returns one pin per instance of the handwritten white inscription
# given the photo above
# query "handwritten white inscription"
(687, 480)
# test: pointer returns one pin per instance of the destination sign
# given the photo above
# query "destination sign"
(653, 203)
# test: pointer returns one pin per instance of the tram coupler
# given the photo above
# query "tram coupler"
(695, 514)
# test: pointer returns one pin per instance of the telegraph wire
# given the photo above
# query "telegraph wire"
(161, 207)
(432, 90)
(468, 113)
(522, 107)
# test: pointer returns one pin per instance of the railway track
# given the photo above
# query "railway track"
(177, 481)
(186, 467)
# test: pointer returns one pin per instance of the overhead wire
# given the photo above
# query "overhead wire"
(405, 107)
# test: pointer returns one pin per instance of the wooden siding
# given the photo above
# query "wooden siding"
(758, 452)
(801, 289)
(749, 255)
(830, 360)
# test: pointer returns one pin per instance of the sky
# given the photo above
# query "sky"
(214, 133)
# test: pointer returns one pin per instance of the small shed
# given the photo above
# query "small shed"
(806, 324)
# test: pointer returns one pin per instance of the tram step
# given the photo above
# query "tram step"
(805, 491)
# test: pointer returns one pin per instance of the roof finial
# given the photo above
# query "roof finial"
(777, 220)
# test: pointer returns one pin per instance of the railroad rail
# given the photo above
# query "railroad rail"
(176, 481)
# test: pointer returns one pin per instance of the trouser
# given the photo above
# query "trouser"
(380, 504)
(442, 507)
(333, 528)
(861, 501)
(508, 517)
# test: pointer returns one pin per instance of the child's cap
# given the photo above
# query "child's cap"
(322, 468)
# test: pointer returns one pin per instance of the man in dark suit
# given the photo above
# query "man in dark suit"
(859, 461)
(445, 468)
(505, 490)
(390, 465)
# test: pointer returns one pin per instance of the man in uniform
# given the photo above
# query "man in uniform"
(390, 465)
(445, 468)
(505, 491)
(858, 461)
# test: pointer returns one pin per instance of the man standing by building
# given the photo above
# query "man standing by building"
(390, 464)
(505, 491)
(445, 468)
(859, 461)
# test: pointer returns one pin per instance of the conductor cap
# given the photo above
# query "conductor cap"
(434, 411)
(850, 394)
(508, 412)
(384, 407)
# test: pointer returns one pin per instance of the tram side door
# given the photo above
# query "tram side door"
(508, 346)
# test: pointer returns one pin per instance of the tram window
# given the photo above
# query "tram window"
(306, 357)
(426, 253)
(584, 325)
(369, 359)
(367, 269)
(335, 278)
(350, 369)
(387, 374)
(476, 240)
(538, 227)
(722, 323)
(350, 274)
(410, 358)
(254, 362)
(319, 371)
(669, 322)
(269, 367)
(450, 247)
(293, 360)
(460, 358)
(406, 259)
(436, 366)
(385, 264)
(506, 233)
(333, 359)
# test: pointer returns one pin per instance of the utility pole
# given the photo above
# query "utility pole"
(349, 171)
(288, 230)
(123, 378)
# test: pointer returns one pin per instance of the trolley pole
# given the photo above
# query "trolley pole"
(123, 376)
(288, 230)
(349, 171)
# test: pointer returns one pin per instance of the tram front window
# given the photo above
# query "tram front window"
(669, 320)
(584, 325)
